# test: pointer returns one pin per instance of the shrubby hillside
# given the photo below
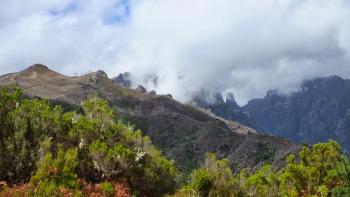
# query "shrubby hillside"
(57, 151)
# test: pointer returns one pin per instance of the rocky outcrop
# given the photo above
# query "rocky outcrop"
(123, 79)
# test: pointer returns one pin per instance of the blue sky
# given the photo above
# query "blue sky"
(243, 46)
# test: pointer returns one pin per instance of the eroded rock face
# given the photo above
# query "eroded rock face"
(318, 112)
(184, 132)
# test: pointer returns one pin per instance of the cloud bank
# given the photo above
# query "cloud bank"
(243, 46)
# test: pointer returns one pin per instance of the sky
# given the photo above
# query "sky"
(242, 46)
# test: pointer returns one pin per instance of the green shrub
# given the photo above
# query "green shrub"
(315, 172)
(213, 179)
(56, 175)
(107, 189)
(318, 171)
(202, 182)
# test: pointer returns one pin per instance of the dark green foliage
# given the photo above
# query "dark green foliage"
(264, 153)
(24, 123)
(59, 148)
(343, 172)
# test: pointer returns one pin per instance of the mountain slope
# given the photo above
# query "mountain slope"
(183, 132)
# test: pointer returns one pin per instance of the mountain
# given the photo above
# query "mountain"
(319, 111)
(184, 132)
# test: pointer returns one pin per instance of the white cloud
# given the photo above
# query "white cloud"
(245, 46)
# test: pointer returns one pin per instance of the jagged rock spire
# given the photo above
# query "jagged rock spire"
(230, 100)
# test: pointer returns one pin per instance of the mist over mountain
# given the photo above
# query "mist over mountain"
(240, 46)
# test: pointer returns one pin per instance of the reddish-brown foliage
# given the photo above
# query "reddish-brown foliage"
(89, 189)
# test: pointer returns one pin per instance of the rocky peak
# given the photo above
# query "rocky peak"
(101, 73)
(98, 75)
(123, 79)
(38, 67)
(271, 93)
(230, 100)
(141, 89)
(152, 93)
(218, 98)
(39, 71)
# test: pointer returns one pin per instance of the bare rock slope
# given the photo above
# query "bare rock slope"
(185, 133)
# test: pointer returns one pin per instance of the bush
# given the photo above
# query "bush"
(318, 171)
(56, 175)
(213, 179)
(314, 174)
(107, 189)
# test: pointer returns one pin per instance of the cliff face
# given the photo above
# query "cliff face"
(185, 133)
(318, 112)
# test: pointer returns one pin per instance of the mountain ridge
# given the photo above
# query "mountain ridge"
(183, 132)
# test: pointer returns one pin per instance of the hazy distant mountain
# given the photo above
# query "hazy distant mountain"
(185, 133)
(318, 112)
